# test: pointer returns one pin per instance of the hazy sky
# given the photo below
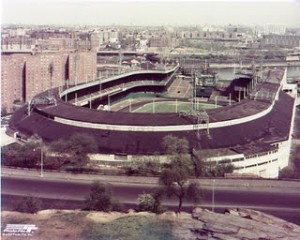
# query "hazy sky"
(161, 12)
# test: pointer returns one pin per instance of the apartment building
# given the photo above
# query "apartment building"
(12, 80)
(25, 75)
(289, 41)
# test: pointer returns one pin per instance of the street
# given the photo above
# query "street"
(278, 202)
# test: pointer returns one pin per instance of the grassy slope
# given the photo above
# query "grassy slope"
(131, 228)
(80, 225)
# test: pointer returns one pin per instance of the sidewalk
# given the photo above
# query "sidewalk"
(54, 175)
(242, 184)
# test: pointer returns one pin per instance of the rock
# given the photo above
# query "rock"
(102, 217)
(168, 215)
(239, 224)
(232, 212)
(224, 236)
(202, 224)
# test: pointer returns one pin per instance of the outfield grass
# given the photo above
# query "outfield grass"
(170, 106)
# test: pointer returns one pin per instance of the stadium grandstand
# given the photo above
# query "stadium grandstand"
(253, 134)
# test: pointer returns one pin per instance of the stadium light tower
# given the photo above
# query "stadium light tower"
(120, 61)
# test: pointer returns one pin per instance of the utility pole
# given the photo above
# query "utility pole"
(108, 102)
(120, 61)
(213, 196)
(41, 159)
(42, 162)
(90, 101)
(100, 86)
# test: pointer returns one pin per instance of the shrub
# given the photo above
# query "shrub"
(28, 205)
(100, 198)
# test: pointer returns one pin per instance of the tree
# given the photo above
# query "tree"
(80, 145)
(174, 179)
(3, 111)
(194, 192)
(174, 145)
(53, 162)
(146, 166)
(288, 172)
(206, 168)
(222, 168)
(117, 206)
(200, 167)
(178, 151)
(146, 202)
(158, 195)
(21, 155)
(100, 198)
(74, 150)
(175, 183)
(59, 154)
(151, 202)
(213, 169)
(28, 204)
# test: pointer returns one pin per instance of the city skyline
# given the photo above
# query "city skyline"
(155, 13)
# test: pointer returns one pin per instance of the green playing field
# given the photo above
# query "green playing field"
(170, 106)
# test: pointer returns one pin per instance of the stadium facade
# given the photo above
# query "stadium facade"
(254, 134)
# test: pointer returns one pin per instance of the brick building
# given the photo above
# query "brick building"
(12, 80)
(44, 70)
(25, 75)
(82, 66)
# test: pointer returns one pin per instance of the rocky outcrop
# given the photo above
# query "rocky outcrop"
(236, 224)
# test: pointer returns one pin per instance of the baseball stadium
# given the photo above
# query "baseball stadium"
(129, 114)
